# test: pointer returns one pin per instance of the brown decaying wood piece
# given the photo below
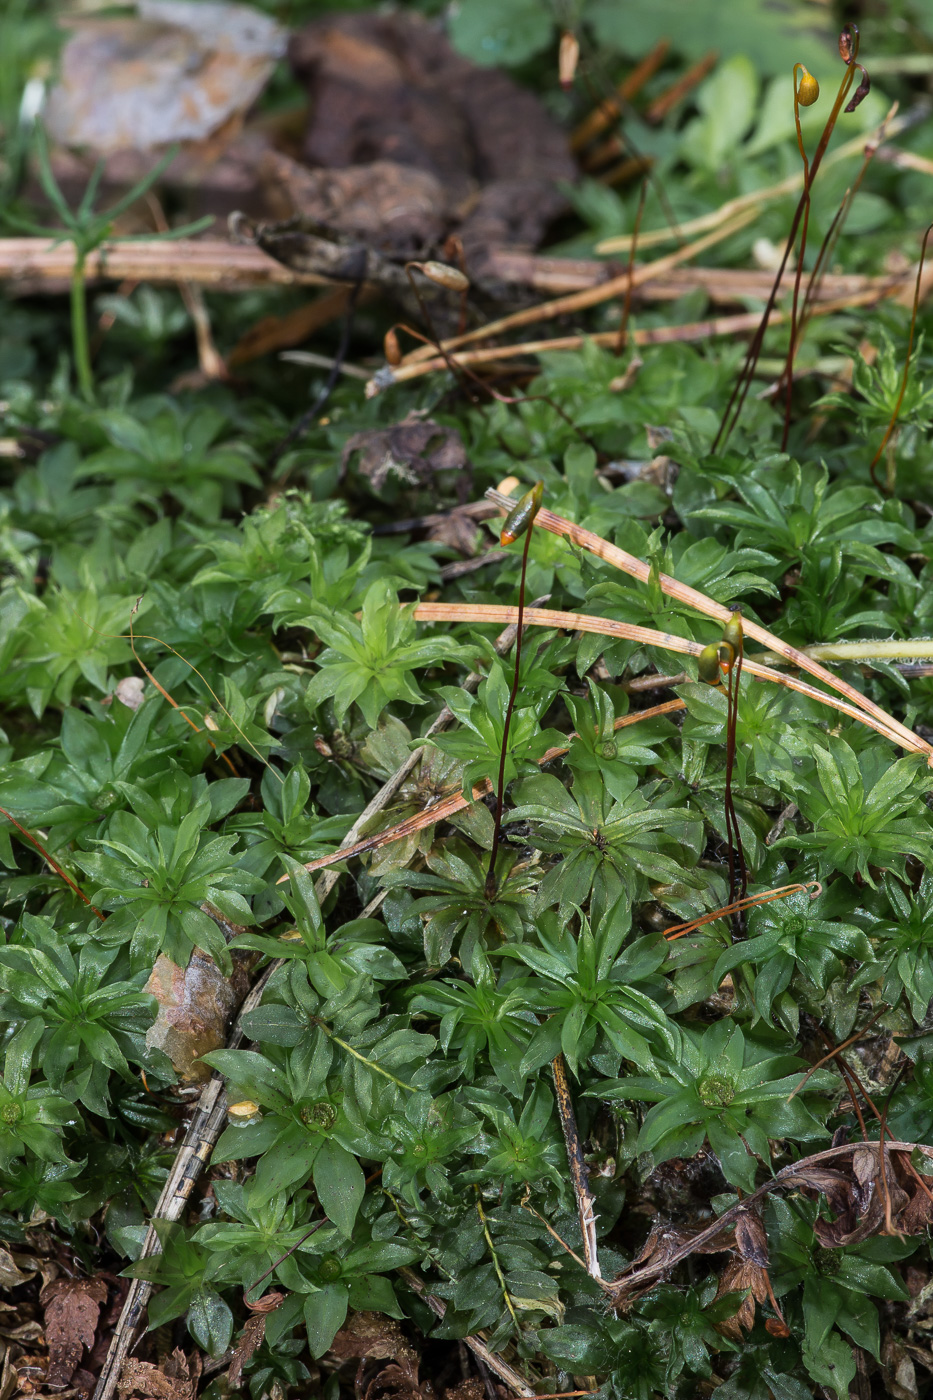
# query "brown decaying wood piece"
(637, 568)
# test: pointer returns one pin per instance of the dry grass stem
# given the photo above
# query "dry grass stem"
(754, 200)
(637, 568)
(669, 641)
(657, 335)
(593, 296)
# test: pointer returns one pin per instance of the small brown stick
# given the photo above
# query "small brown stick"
(604, 626)
(592, 296)
(50, 860)
(668, 100)
(579, 1175)
(502, 1369)
(858, 1035)
(642, 683)
(637, 568)
(611, 109)
(210, 361)
(746, 902)
(550, 1229)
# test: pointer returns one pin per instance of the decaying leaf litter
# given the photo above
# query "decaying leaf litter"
(504, 1105)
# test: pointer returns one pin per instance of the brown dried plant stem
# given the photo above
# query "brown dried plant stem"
(592, 296)
(637, 568)
(654, 335)
(579, 1175)
(739, 393)
(604, 626)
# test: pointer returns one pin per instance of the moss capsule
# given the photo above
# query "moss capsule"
(808, 89)
(708, 664)
(522, 514)
(445, 276)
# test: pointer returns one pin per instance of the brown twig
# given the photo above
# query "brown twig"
(579, 1175)
(412, 368)
(50, 860)
(604, 626)
(637, 568)
(203, 1131)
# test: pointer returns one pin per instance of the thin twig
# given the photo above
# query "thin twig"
(502, 1369)
(637, 568)
(579, 1175)
(352, 843)
(411, 368)
(203, 1131)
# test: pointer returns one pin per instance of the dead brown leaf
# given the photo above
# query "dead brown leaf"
(412, 452)
(175, 1379)
(368, 1334)
(72, 1307)
(11, 1275)
(249, 1341)
(737, 1276)
(750, 1238)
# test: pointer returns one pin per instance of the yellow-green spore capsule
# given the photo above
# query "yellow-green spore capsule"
(708, 664)
(808, 89)
(732, 633)
(521, 517)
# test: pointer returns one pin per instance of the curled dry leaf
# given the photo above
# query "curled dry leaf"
(411, 452)
(249, 1341)
(11, 1275)
(176, 1379)
(737, 1276)
(72, 1307)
